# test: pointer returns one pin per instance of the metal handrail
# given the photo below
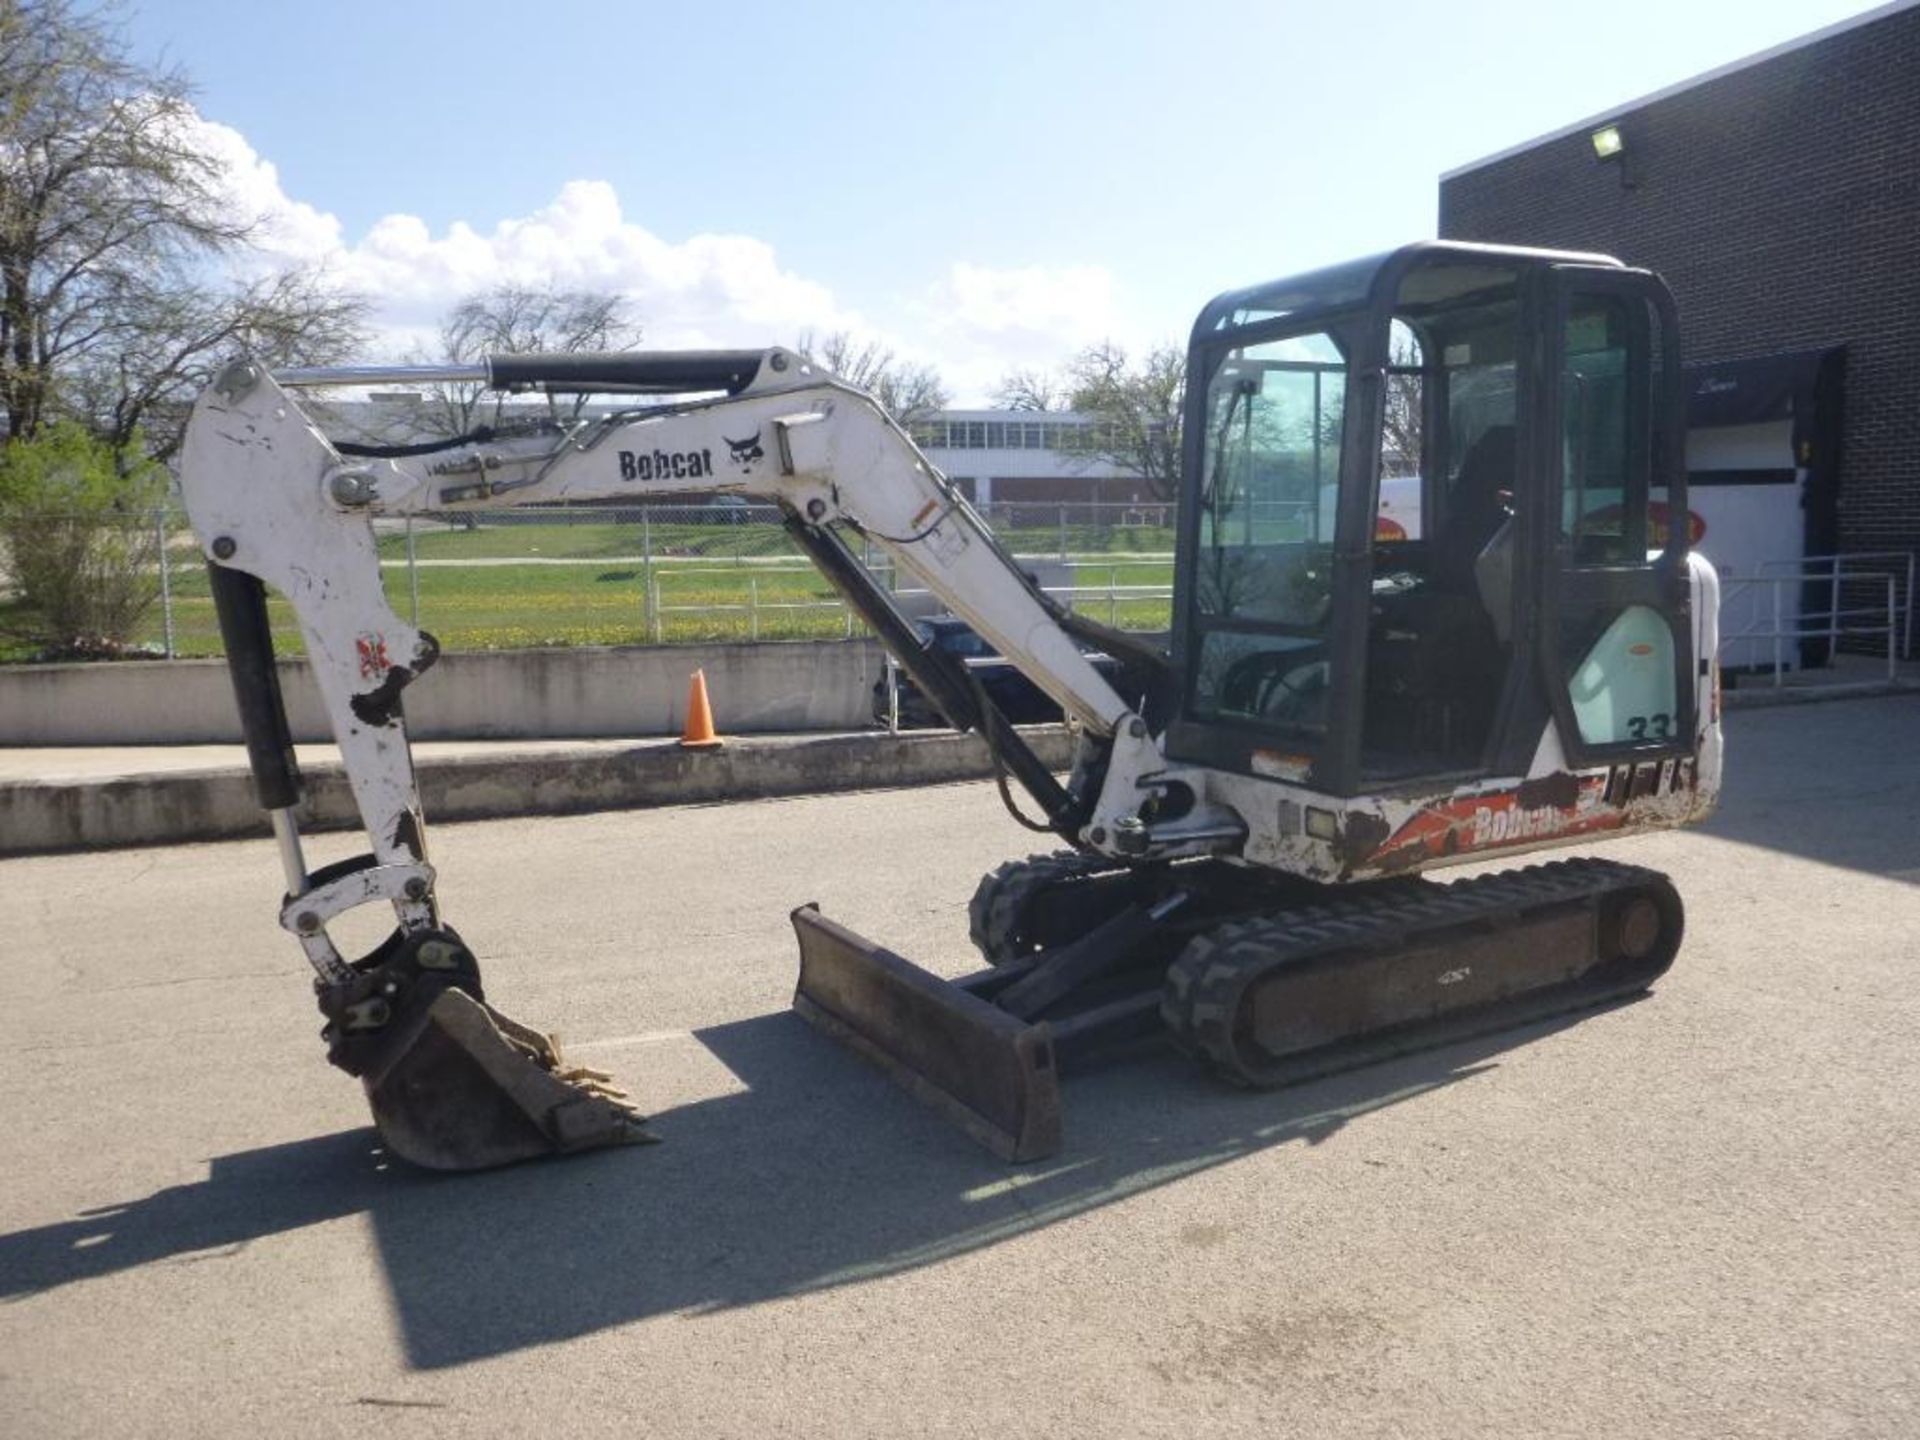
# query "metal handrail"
(1831, 569)
(1825, 626)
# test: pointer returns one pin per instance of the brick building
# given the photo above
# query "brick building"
(1780, 198)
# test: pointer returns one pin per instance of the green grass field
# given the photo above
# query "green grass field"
(713, 583)
(598, 541)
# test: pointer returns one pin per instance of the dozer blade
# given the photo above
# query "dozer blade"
(992, 1074)
(466, 1088)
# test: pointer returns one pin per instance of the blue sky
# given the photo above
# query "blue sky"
(981, 186)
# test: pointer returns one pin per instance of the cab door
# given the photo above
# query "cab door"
(1615, 639)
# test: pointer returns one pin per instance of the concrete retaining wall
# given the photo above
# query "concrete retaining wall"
(601, 691)
(166, 808)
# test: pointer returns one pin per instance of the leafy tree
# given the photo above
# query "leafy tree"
(906, 392)
(114, 307)
(78, 536)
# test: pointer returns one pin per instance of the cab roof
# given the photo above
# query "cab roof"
(1374, 278)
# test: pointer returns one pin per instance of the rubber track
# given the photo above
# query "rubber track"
(1205, 984)
(1001, 900)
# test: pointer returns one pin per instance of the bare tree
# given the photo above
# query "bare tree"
(172, 341)
(519, 320)
(1133, 411)
(1402, 420)
(112, 221)
(906, 392)
(1032, 390)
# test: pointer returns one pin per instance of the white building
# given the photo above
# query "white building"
(1016, 456)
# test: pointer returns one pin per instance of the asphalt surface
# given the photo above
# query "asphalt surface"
(1695, 1215)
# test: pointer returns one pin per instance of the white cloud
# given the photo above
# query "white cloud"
(290, 230)
(1035, 301)
(985, 322)
(972, 324)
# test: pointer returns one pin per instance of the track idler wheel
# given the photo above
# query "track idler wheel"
(453, 1083)
(1030, 905)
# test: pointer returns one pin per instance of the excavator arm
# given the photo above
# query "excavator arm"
(453, 1083)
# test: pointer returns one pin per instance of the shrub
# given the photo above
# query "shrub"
(78, 538)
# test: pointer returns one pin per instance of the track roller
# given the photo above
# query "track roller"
(1026, 906)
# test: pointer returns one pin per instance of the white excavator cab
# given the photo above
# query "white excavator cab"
(1524, 410)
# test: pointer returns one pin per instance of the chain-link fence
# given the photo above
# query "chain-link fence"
(604, 575)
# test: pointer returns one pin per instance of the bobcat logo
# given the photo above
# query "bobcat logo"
(746, 451)
(374, 662)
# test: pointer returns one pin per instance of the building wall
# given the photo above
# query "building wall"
(1020, 457)
(1782, 203)
(1076, 489)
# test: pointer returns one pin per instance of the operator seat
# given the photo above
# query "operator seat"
(1436, 671)
(1477, 508)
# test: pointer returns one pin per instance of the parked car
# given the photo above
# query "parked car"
(1017, 697)
(731, 510)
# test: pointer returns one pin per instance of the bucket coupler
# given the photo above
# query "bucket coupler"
(978, 1049)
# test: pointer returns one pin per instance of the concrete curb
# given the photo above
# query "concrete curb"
(171, 807)
(38, 817)
(1759, 699)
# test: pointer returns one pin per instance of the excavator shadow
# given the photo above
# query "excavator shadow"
(818, 1174)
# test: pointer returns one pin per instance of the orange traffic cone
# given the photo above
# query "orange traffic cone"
(699, 732)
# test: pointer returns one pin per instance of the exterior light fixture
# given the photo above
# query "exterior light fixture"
(1610, 148)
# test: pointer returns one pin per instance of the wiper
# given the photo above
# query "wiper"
(1244, 389)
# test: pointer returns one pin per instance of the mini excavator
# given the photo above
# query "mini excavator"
(1522, 658)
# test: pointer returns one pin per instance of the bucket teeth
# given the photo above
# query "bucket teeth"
(468, 1088)
(454, 1084)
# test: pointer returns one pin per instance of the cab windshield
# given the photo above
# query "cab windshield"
(1270, 479)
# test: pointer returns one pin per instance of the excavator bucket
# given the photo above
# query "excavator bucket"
(991, 1073)
(453, 1083)
(464, 1087)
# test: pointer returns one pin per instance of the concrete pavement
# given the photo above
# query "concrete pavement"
(1690, 1216)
